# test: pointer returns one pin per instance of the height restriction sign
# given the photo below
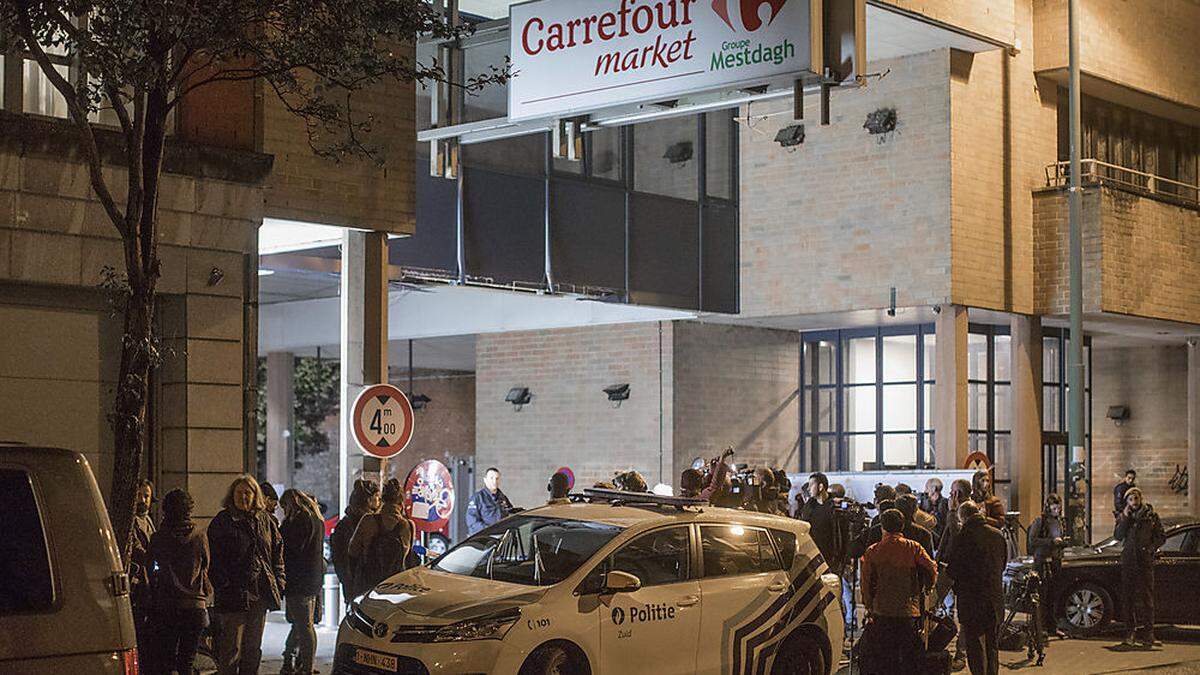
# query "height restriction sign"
(383, 420)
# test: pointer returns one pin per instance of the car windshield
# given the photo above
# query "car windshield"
(528, 550)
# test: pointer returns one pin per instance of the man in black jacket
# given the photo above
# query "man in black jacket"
(1119, 490)
(874, 534)
(1142, 533)
(976, 566)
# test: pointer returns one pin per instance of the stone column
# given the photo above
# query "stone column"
(1026, 415)
(1193, 423)
(281, 399)
(950, 390)
(364, 325)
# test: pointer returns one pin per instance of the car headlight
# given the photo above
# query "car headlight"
(493, 627)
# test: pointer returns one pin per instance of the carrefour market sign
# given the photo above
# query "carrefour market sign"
(574, 56)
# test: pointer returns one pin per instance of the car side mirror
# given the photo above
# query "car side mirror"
(621, 582)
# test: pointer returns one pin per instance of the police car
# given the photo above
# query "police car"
(616, 583)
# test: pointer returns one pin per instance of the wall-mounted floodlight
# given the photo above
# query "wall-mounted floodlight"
(1118, 414)
(617, 393)
(419, 401)
(790, 137)
(519, 396)
(679, 152)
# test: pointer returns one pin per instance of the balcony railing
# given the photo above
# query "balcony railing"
(1095, 172)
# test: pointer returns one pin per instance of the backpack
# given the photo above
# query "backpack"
(384, 557)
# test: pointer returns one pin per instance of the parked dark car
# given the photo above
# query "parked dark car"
(1088, 592)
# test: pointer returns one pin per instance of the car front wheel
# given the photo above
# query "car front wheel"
(555, 659)
(800, 655)
(1086, 608)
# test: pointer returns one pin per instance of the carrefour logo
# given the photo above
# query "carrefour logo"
(749, 9)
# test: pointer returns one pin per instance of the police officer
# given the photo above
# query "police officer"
(488, 506)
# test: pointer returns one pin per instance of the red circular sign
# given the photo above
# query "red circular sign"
(382, 421)
(566, 471)
(978, 461)
(429, 492)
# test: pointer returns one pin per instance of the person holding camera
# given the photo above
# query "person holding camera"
(1140, 529)
(692, 481)
(896, 572)
(1045, 542)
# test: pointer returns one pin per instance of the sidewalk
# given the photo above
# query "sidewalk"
(275, 635)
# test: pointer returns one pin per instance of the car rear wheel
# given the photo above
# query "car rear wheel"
(1086, 608)
(555, 659)
(800, 655)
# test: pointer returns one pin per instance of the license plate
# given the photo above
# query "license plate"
(375, 660)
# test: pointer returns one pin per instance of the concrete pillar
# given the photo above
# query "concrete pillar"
(950, 390)
(364, 325)
(1193, 423)
(1026, 471)
(281, 399)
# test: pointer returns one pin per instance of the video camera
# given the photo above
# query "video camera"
(853, 512)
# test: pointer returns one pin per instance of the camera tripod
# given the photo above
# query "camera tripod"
(1028, 597)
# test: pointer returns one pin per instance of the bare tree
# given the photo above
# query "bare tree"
(140, 59)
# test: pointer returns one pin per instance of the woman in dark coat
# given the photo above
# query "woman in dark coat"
(304, 561)
(1142, 533)
(1045, 543)
(976, 565)
(383, 540)
(247, 574)
(364, 500)
(179, 585)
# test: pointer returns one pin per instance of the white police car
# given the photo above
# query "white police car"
(612, 586)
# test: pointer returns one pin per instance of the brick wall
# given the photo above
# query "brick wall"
(1152, 381)
(570, 421)
(355, 192)
(1003, 125)
(1140, 255)
(834, 223)
(1150, 47)
(993, 18)
(736, 386)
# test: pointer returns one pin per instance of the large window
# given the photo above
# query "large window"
(989, 400)
(655, 558)
(731, 550)
(866, 398)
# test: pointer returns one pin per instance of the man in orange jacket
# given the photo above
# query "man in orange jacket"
(895, 573)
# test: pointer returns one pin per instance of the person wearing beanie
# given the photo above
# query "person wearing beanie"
(270, 499)
(179, 551)
(1141, 531)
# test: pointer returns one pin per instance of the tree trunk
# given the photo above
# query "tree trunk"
(129, 411)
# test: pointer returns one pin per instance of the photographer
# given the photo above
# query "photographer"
(1045, 543)
(692, 482)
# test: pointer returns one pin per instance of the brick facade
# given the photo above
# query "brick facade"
(1152, 381)
(1140, 255)
(570, 421)
(833, 224)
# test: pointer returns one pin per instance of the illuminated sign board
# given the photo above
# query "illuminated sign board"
(573, 56)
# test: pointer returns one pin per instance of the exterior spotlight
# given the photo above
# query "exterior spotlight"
(617, 393)
(789, 137)
(881, 121)
(679, 153)
(1118, 414)
(419, 401)
(519, 397)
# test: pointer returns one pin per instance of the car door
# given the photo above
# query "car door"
(655, 628)
(1177, 578)
(741, 581)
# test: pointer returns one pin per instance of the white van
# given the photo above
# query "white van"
(621, 586)
(64, 596)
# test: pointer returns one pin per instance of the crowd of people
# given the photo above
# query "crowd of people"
(916, 553)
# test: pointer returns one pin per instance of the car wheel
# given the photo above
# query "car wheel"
(801, 654)
(554, 659)
(1086, 608)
